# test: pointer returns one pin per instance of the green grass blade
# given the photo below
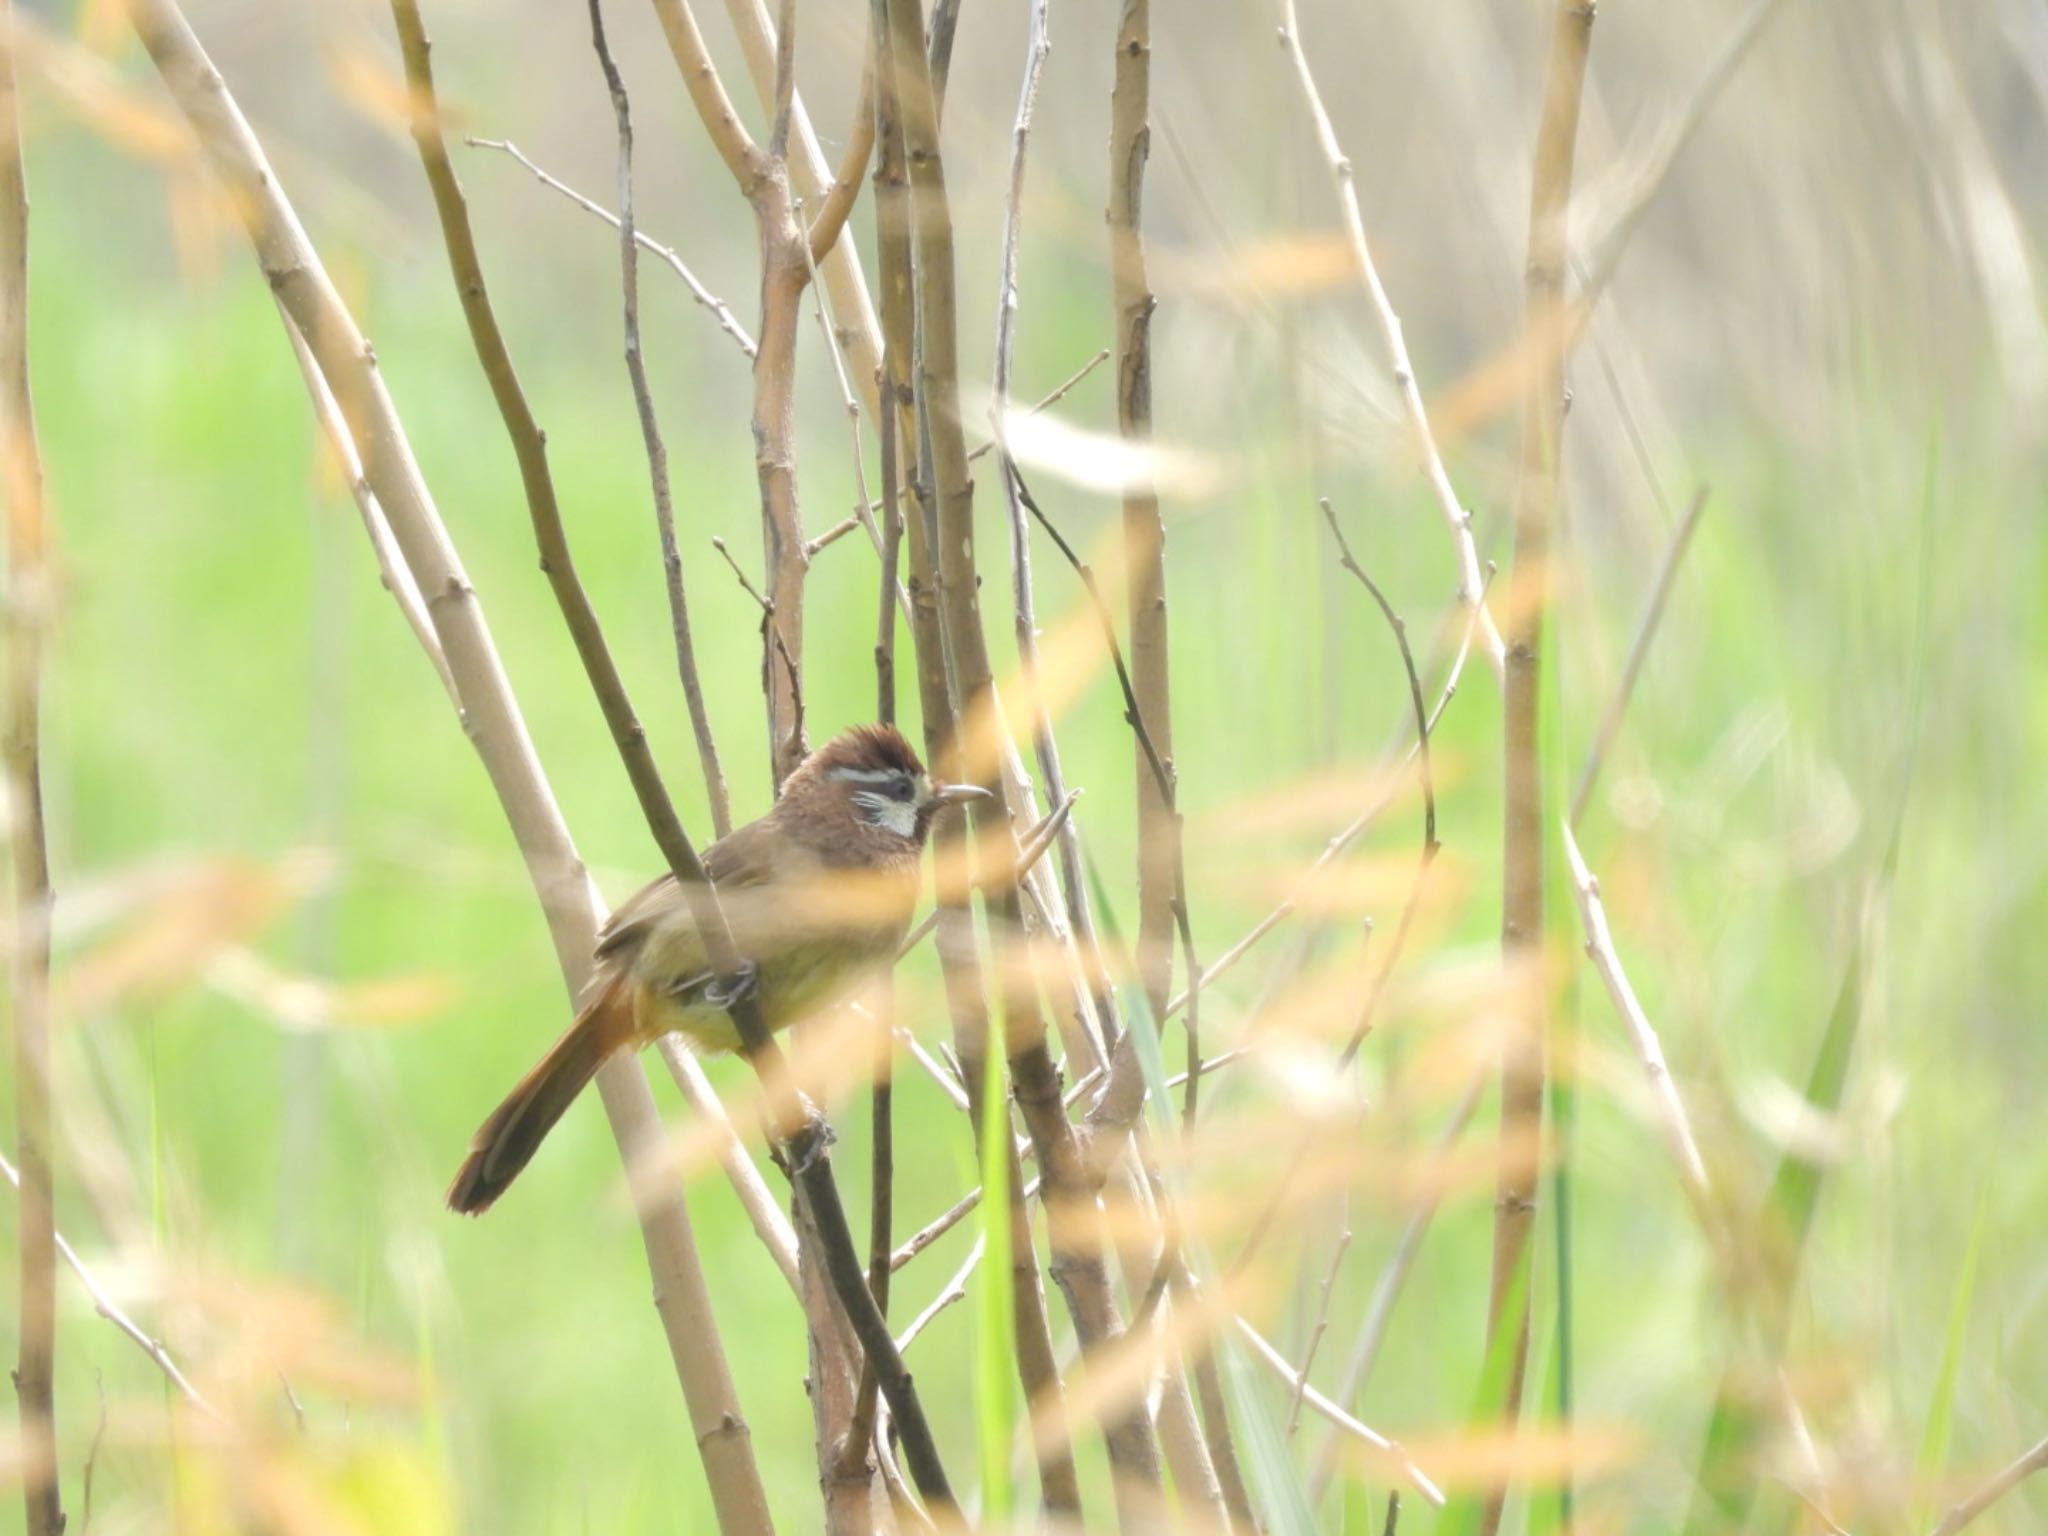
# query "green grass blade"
(1466, 1507)
(1726, 1483)
(1934, 1437)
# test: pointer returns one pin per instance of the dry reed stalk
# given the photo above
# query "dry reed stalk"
(490, 715)
(28, 602)
(1536, 496)
(1038, 1371)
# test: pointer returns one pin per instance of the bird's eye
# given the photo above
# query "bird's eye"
(900, 788)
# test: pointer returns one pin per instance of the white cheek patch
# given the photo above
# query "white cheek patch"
(898, 816)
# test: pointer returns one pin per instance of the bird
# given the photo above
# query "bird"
(818, 895)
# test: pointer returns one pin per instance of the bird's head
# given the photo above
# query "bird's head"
(867, 781)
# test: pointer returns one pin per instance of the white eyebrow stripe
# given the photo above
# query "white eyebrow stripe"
(867, 775)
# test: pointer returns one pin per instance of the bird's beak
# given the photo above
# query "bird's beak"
(954, 794)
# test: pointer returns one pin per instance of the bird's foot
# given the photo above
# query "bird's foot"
(812, 1142)
(730, 991)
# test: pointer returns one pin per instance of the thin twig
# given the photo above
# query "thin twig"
(1036, 842)
(1671, 1116)
(1277, 1363)
(764, 1211)
(831, 536)
(1646, 631)
(954, 1290)
(529, 443)
(1317, 1328)
(391, 567)
(727, 321)
(651, 440)
(104, 1304)
(1162, 781)
(1057, 394)
(1373, 1332)
(772, 643)
(1471, 580)
(947, 1077)
(1045, 746)
(1350, 563)
(2009, 1478)
(1351, 833)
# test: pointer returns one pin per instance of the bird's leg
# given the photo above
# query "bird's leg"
(812, 1142)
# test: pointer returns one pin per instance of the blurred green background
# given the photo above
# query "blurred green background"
(1831, 318)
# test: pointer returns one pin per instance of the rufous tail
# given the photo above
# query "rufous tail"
(507, 1141)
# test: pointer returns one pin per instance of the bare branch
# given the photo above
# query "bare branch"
(1045, 747)
(1317, 1328)
(1471, 580)
(1350, 834)
(391, 567)
(104, 1304)
(1276, 1362)
(1997, 1488)
(844, 191)
(954, 1290)
(1671, 1116)
(735, 146)
(727, 322)
(490, 716)
(651, 441)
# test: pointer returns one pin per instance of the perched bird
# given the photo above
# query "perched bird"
(818, 894)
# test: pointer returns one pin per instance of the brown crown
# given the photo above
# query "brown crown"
(868, 747)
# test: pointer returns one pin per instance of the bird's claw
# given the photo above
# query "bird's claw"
(730, 991)
(816, 1144)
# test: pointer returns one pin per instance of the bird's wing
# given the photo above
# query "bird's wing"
(736, 861)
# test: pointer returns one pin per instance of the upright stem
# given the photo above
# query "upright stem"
(28, 598)
(1077, 1239)
(1045, 747)
(1144, 535)
(897, 421)
(784, 272)
(490, 715)
(1522, 1067)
